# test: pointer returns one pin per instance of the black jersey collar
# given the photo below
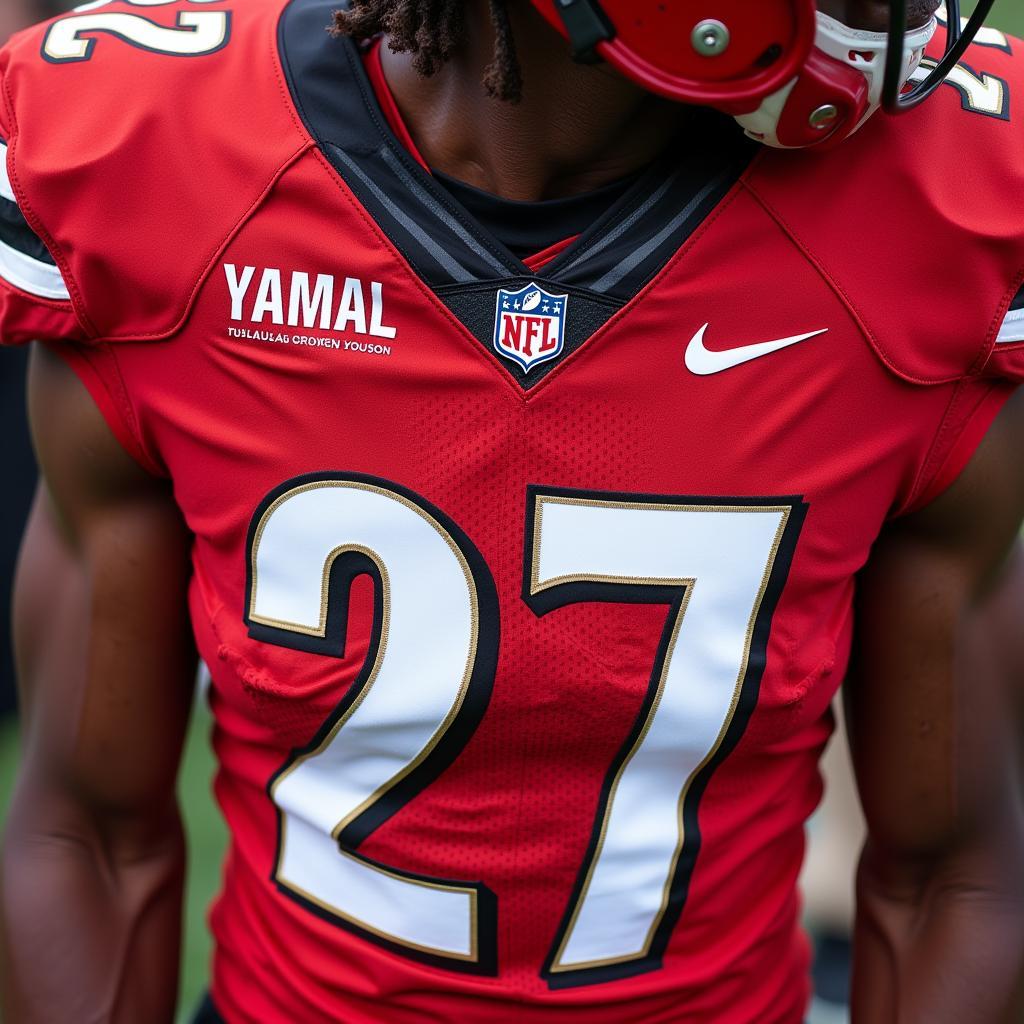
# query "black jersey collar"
(449, 249)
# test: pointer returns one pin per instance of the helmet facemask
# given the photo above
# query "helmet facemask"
(792, 76)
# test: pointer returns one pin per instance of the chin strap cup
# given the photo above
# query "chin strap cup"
(826, 105)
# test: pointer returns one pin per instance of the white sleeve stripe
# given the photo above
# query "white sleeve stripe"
(32, 276)
(1012, 329)
(24, 272)
(6, 191)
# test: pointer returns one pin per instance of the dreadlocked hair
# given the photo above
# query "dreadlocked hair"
(431, 30)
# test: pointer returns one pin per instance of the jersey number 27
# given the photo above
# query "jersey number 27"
(717, 564)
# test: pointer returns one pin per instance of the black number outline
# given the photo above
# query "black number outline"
(965, 96)
(560, 595)
(91, 39)
(343, 571)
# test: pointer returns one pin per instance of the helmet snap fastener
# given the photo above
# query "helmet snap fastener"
(710, 38)
(824, 117)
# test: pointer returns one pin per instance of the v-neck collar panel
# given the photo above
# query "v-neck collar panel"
(444, 244)
(599, 273)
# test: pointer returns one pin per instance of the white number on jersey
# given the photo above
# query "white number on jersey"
(418, 699)
(70, 40)
(987, 36)
(718, 564)
(711, 564)
(980, 93)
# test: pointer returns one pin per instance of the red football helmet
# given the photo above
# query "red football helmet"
(793, 76)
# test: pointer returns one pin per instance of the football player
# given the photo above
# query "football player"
(508, 431)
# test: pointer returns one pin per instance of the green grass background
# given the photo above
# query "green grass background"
(205, 830)
(1006, 15)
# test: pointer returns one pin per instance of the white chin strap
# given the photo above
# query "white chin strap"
(863, 51)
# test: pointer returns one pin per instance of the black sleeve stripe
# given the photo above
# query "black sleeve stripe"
(1018, 302)
(14, 229)
(15, 232)
(25, 262)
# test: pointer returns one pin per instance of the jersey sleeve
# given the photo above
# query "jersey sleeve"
(35, 302)
(139, 142)
(35, 305)
(974, 406)
(1006, 359)
(133, 146)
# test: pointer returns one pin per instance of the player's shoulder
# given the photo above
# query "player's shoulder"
(911, 220)
(129, 51)
(139, 132)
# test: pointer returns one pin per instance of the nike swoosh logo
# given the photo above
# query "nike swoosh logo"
(703, 362)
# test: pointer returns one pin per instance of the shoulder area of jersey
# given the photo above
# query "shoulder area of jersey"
(102, 34)
(908, 219)
(106, 61)
(173, 118)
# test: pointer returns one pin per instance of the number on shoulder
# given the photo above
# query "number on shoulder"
(980, 92)
(196, 33)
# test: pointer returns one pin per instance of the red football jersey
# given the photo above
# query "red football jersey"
(525, 593)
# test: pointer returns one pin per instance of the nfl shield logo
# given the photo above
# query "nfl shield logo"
(529, 325)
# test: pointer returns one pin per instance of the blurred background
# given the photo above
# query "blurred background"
(835, 832)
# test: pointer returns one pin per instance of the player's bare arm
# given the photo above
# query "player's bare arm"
(1002, 611)
(93, 858)
(940, 933)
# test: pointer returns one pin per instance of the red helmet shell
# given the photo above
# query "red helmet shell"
(769, 41)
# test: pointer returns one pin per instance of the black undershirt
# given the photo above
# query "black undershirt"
(529, 228)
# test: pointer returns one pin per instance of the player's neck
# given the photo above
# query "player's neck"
(576, 129)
